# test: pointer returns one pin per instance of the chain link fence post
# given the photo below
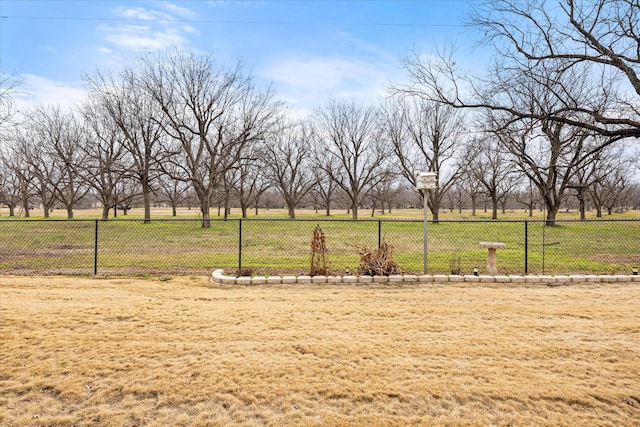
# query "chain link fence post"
(526, 247)
(240, 247)
(95, 250)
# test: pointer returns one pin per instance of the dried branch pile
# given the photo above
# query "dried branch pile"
(378, 262)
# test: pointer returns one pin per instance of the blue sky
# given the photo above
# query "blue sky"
(308, 50)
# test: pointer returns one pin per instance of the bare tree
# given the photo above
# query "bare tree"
(251, 183)
(62, 137)
(50, 146)
(134, 112)
(126, 191)
(14, 190)
(424, 136)
(492, 168)
(35, 168)
(9, 88)
(584, 178)
(211, 111)
(529, 196)
(611, 180)
(288, 160)
(324, 191)
(350, 135)
(548, 151)
(549, 156)
(386, 189)
(105, 152)
(567, 34)
(471, 188)
(18, 173)
(597, 39)
(172, 187)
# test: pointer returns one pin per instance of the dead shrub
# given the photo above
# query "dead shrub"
(320, 265)
(377, 262)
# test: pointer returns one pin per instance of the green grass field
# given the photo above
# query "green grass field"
(274, 245)
(410, 214)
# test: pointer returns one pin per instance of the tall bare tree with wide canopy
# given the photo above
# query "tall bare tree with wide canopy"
(105, 166)
(211, 111)
(129, 106)
(50, 147)
(536, 36)
(565, 34)
(549, 152)
(288, 160)
(351, 137)
(425, 136)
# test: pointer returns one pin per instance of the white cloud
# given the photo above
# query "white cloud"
(142, 14)
(140, 38)
(103, 49)
(188, 29)
(40, 90)
(308, 82)
(149, 29)
(177, 10)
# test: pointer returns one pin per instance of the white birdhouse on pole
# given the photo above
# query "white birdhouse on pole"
(426, 180)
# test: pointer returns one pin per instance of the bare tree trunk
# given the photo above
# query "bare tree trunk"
(582, 205)
(494, 207)
(206, 215)
(25, 206)
(551, 215)
(146, 196)
(474, 201)
(226, 206)
(105, 212)
(434, 203)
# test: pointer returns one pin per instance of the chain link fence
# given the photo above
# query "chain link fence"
(282, 246)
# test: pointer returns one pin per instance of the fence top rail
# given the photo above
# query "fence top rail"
(367, 220)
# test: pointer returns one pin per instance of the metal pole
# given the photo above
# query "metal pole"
(425, 192)
(240, 247)
(526, 247)
(544, 229)
(95, 250)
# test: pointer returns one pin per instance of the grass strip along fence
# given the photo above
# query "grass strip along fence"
(282, 246)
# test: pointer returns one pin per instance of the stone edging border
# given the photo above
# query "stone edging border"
(219, 278)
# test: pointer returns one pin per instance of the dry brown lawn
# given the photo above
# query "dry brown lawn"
(152, 352)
